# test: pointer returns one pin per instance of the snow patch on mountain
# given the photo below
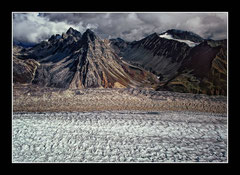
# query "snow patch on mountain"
(188, 42)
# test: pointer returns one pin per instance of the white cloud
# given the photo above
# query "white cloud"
(92, 26)
(30, 27)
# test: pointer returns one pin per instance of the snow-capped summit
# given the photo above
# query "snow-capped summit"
(188, 42)
(190, 38)
(185, 35)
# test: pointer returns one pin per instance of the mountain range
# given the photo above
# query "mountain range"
(174, 60)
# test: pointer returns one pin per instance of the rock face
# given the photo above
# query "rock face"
(159, 55)
(119, 45)
(182, 60)
(204, 70)
(23, 70)
(79, 61)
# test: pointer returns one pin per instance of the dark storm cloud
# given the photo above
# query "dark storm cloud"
(129, 26)
(68, 17)
(110, 24)
(204, 24)
(215, 27)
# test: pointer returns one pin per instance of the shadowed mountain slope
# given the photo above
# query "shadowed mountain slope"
(182, 60)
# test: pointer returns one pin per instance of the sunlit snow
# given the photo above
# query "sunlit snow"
(188, 42)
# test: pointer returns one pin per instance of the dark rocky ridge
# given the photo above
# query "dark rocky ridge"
(180, 68)
(159, 55)
(204, 70)
(119, 45)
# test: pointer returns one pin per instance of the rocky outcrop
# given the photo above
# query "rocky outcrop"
(203, 71)
(24, 70)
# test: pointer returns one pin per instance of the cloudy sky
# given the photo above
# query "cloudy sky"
(35, 27)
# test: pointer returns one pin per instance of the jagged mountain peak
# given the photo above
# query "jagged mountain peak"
(89, 35)
(63, 44)
(89, 31)
(83, 63)
(54, 38)
(70, 30)
(73, 32)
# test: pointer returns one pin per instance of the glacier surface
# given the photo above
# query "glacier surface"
(120, 136)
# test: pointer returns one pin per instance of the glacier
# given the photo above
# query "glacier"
(120, 136)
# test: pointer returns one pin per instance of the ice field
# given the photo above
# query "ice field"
(120, 136)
